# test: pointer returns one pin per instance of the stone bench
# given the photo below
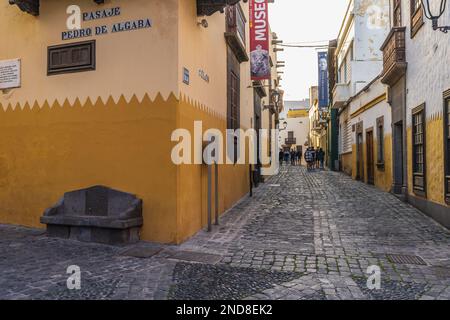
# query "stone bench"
(98, 214)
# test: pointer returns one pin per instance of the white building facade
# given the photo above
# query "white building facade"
(417, 71)
(359, 61)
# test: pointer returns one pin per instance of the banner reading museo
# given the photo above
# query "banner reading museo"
(259, 40)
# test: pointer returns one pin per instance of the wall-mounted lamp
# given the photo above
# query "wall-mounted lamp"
(433, 17)
(203, 23)
(276, 96)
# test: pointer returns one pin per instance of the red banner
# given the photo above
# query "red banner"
(259, 40)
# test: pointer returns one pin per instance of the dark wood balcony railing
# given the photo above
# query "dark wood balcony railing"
(290, 141)
(204, 7)
(209, 7)
(235, 31)
(394, 56)
(236, 21)
(32, 6)
(28, 6)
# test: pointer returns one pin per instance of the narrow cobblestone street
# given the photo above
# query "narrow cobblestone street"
(302, 236)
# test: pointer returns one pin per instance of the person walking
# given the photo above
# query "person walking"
(321, 158)
(281, 156)
(313, 157)
(318, 158)
(292, 157)
(309, 158)
(296, 157)
(286, 156)
(299, 157)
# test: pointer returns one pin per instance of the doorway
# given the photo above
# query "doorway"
(370, 157)
(257, 106)
(359, 157)
(359, 151)
(398, 157)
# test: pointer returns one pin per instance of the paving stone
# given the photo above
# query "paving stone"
(321, 226)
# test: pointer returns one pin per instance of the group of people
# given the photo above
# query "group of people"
(315, 158)
(293, 156)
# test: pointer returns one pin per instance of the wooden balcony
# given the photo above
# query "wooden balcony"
(209, 7)
(394, 56)
(32, 6)
(28, 6)
(290, 141)
(235, 31)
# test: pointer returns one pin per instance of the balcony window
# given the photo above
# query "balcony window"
(416, 16)
(397, 13)
(235, 31)
(419, 155)
(291, 140)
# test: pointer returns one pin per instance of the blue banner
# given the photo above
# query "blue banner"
(323, 79)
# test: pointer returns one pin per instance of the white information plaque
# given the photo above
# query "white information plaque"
(9, 74)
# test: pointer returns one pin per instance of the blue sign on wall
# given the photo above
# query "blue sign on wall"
(323, 79)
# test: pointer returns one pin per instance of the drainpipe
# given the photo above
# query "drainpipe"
(209, 198)
(251, 177)
(216, 202)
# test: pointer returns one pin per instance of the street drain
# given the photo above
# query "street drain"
(141, 252)
(191, 256)
(405, 259)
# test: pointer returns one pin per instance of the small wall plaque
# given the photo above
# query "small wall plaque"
(186, 76)
(9, 74)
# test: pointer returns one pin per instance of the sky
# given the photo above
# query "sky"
(297, 21)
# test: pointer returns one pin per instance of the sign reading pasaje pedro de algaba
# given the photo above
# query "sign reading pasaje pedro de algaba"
(105, 29)
(9, 74)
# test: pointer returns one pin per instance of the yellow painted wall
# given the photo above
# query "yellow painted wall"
(103, 127)
(48, 150)
(206, 49)
(347, 162)
(135, 62)
(192, 179)
(203, 49)
(434, 159)
(382, 177)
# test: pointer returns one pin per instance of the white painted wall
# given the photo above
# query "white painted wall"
(364, 30)
(428, 57)
(370, 116)
(300, 127)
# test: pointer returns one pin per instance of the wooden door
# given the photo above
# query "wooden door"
(359, 157)
(370, 158)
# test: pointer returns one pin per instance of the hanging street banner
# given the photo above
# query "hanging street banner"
(323, 79)
(259, 40)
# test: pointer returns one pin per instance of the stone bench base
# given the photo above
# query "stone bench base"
(92, 234)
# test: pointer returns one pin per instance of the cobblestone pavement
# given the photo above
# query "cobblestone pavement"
(302, 236)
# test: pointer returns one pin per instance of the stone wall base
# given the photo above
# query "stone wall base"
(434, 210)
(98, 235)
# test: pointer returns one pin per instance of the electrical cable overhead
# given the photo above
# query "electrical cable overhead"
(304, 46)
